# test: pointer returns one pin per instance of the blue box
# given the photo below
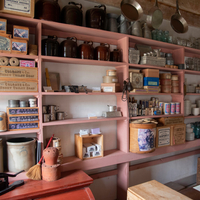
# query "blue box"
(151, 81)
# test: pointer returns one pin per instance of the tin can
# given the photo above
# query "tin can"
(172, 108)
(153, 99)
(177, 108)
(166, 108)
(160, 104)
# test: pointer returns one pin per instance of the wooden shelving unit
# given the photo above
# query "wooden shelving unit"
(120, 156)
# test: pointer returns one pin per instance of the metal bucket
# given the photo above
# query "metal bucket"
(21, 153)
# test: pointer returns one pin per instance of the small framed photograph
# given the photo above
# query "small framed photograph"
(18, 46)
(3, 25)
(21, 32)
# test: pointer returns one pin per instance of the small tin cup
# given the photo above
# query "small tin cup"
(46, 118)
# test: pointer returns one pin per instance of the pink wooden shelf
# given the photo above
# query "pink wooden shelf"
(192, 72)
(78, 94)
(192, 116)
(113, 157)
(193, 94)
(81, 120)
(20, 93)
(22, 56)
(171, 94)
(192, 50)
(156, 116)
(154, 67)
(81, 61)
(20, 132)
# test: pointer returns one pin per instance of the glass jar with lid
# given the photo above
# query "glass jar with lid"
(169, 59)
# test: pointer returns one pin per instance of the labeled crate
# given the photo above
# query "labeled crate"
(23, 126)
(22, 111)
(22, 118)
(81, 140)
(178, 134)
(165, 121)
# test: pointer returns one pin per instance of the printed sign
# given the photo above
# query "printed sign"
(146, 139)
(164, 136)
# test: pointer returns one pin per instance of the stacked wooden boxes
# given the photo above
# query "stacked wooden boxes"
(171, 131)
(151, 80)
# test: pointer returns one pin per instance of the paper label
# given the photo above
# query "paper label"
(163, 137)
(19, 5)
(108, 89)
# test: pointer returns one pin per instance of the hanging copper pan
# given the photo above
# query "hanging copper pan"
(178, 23)
(131, 9)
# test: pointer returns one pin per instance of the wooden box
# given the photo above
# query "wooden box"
(163, 136)
(171, 120)
(178, 133)
(5, 45)
(23, 126)
(151, 73)
(20, 111)
(23, 118)
(110, 87)
(198, 171)
(16, 85)
(80, 140)
(3, 25)
(153, 190)
(20, 7)
(19, 72)
(21, 32)
(19, 46)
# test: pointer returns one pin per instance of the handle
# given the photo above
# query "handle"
(177, 8)
(72, 38)
(76, 4)
(104, 44)
(46, 147)
(88, 42)
(101, 5)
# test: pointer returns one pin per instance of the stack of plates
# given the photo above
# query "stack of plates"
(187, 107)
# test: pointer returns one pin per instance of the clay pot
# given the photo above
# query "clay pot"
(51, 172)
(96, 17)
(115, 55)
(86, 50)
(102, 52)
(72, 14)
(50, 155)
(47, 10)
(68, 48)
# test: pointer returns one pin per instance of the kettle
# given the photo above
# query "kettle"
(72, 14)
(96, 17)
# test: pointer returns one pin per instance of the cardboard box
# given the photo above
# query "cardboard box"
(163, 136)
(136, 80)
(110, 87)
(20, 7)
(151, 73)
(171, 120)
(3, 25)
(21, 32)
(178, 134)
(18, 46)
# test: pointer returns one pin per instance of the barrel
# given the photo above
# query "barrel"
(21, 153)
(142, 138)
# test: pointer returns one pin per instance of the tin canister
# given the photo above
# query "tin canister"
(177, 108)
(46, 117)
(166, 108)
(172, 108)
(56, 142)
(23, 103)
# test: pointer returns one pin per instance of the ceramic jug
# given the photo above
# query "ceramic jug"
(102, 52)
(115, 55)
(47, 10)
(96, 17)
(72, 14)
(86, 50)
(68, 48)
(50, 46)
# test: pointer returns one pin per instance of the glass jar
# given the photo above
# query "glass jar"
(154, 35)
(160, 35)
(170, 39)
(169, 59)
(165, 36)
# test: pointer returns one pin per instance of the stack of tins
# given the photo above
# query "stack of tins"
(169, 83)
(142, 137)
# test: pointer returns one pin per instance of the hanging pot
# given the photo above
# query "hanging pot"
(154, 17)
(131, 9)
(72, 14)
(96, 17)
(178, 23)
(68, 48)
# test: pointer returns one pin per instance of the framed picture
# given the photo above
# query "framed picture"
(19, 46)
(20, 32)
(3, 25)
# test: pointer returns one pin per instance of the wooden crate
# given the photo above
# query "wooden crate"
(163, 136)
(16, 85)
(3, 25)
(19, 118)
(153, 190)
(178, 133)
(10, 128)
(22, 111)
(19, 72)
(80, 140)
(19, 46)
(23, 30)
(17, 8)
(171, 120)
(198, 171)
(110, 87)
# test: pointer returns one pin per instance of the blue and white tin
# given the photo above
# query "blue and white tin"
(166, 108)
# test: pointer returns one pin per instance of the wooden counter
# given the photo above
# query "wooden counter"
(74, 182)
